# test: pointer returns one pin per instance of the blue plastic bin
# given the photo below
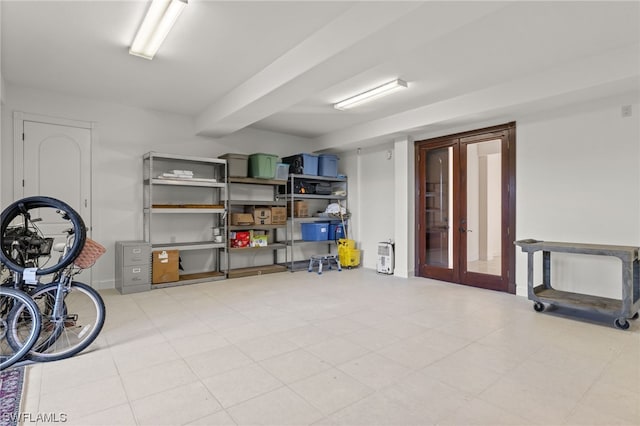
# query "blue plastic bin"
(336, 231)
(302, 164)
(315, 231)
(328, 165)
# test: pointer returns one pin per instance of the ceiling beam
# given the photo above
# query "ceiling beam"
(238, 108)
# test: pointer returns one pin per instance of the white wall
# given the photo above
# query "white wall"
(371, 198)
(578, 180)
(123, 135)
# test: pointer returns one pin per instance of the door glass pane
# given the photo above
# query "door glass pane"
(439, 207)
(484, 208)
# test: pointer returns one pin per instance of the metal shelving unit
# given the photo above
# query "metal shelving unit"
(176, 209)
(236, 203)
(293, 223)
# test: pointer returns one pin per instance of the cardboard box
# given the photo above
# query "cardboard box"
(278, 215)
(261, 215)
(164, 266)
(241, 219)
(259, 239)
(300, 209)
(239, 239)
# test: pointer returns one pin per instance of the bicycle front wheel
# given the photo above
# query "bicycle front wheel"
(19, 316)
(70, 327)
(27, 235)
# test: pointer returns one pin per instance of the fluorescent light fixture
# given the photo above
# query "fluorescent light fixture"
(161, 16)
(383, 90)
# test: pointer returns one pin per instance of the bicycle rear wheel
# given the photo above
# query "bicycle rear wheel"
(19, 316)
(24, 245)
(72, 329)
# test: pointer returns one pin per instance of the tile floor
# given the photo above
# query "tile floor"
(344, 348)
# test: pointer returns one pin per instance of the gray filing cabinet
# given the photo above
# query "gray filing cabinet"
(133, 266)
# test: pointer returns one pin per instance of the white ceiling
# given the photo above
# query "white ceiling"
(280, 65)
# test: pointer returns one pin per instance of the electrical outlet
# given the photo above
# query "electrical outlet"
(626, 110)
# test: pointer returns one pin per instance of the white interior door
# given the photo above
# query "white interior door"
(56, 162)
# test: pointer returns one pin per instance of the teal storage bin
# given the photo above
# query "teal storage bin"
(263, 166)
(328, 165)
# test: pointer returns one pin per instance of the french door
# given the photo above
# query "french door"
(465, 218)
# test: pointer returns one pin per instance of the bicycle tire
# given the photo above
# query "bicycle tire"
(14, 303)
(83, 319)
(21, 208)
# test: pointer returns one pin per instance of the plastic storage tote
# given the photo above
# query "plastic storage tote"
(263, 166)
(302, 164)
(336, 231)
(237, 164)
(315, 231)
(282, 171)
(328, 165)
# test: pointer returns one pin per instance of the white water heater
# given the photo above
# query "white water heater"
(385, 258)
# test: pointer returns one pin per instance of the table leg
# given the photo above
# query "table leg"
(546, 269)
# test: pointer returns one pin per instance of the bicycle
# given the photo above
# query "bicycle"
(17, 309)
(72, 313)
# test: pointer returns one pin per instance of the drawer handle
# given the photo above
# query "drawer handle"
(136, 250)
(136, 270)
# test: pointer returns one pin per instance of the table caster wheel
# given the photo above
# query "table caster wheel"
(538, 307)
(621, 323)
(635, 316)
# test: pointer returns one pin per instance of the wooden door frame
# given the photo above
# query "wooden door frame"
(505, 131)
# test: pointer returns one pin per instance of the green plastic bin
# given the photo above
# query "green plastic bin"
(263, 166)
